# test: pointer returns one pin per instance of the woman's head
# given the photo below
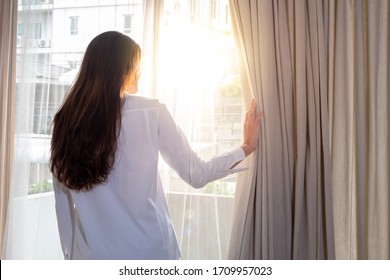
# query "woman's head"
(86, 127)
(111, 59)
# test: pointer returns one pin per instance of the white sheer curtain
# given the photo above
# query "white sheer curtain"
(199, 82)
(51, 38)
(187, 62)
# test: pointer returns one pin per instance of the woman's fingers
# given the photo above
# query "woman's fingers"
(251, 128)
(251, 113)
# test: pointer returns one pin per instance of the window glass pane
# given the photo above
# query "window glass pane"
(20, 29)
(38, 30)
(73, 26)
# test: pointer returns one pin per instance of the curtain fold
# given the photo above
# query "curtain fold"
(153, 19)
(8, 13)
(288, 195)
(359, 78)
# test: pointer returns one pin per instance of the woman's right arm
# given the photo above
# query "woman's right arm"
(178, 153)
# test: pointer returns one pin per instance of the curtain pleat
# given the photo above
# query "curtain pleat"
(8, 12)
(153, 19)
(359, 94)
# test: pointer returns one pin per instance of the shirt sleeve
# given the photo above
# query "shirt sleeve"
(177, 152)
(64, 211)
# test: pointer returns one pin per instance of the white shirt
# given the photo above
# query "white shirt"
(128, 217)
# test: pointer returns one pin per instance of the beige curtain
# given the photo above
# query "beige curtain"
(359, 88)
(283, 208)
(8, 12)
(296, 57)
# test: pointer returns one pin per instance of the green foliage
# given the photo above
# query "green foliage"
(232, 86)
(218, 187)
(41, 187)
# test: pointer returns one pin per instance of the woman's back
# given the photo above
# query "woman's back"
(127, 217)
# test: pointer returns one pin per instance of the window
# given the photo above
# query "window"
(20, 29)
(33, 30)
(74, 25)
(73, 64)
(127, 24)
(197, 79)
(38, 30)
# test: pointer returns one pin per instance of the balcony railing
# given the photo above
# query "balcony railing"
(202, 223)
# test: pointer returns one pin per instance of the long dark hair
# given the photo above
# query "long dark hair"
(86, 127)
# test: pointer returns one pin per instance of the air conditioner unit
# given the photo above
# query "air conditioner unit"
(44, 44)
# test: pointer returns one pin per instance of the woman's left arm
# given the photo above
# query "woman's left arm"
(64, 211)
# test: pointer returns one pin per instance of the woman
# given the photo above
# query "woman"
(104, 155)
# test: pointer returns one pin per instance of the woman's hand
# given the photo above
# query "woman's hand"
(251, 129)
